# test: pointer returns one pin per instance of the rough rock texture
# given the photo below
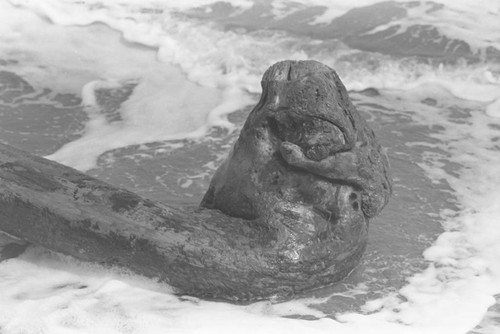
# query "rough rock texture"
(303, 131)
(287, 212)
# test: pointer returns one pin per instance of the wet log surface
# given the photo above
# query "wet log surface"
(287, 211)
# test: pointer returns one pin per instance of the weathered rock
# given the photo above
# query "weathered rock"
(304, 130)
(286, 212)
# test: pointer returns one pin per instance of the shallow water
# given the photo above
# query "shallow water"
(150, 97)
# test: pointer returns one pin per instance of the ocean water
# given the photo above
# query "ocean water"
(150, 96)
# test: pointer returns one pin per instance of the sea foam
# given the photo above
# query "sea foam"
(188, 77)
(148, 43)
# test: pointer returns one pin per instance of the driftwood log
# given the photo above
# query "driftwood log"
(286, 212)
